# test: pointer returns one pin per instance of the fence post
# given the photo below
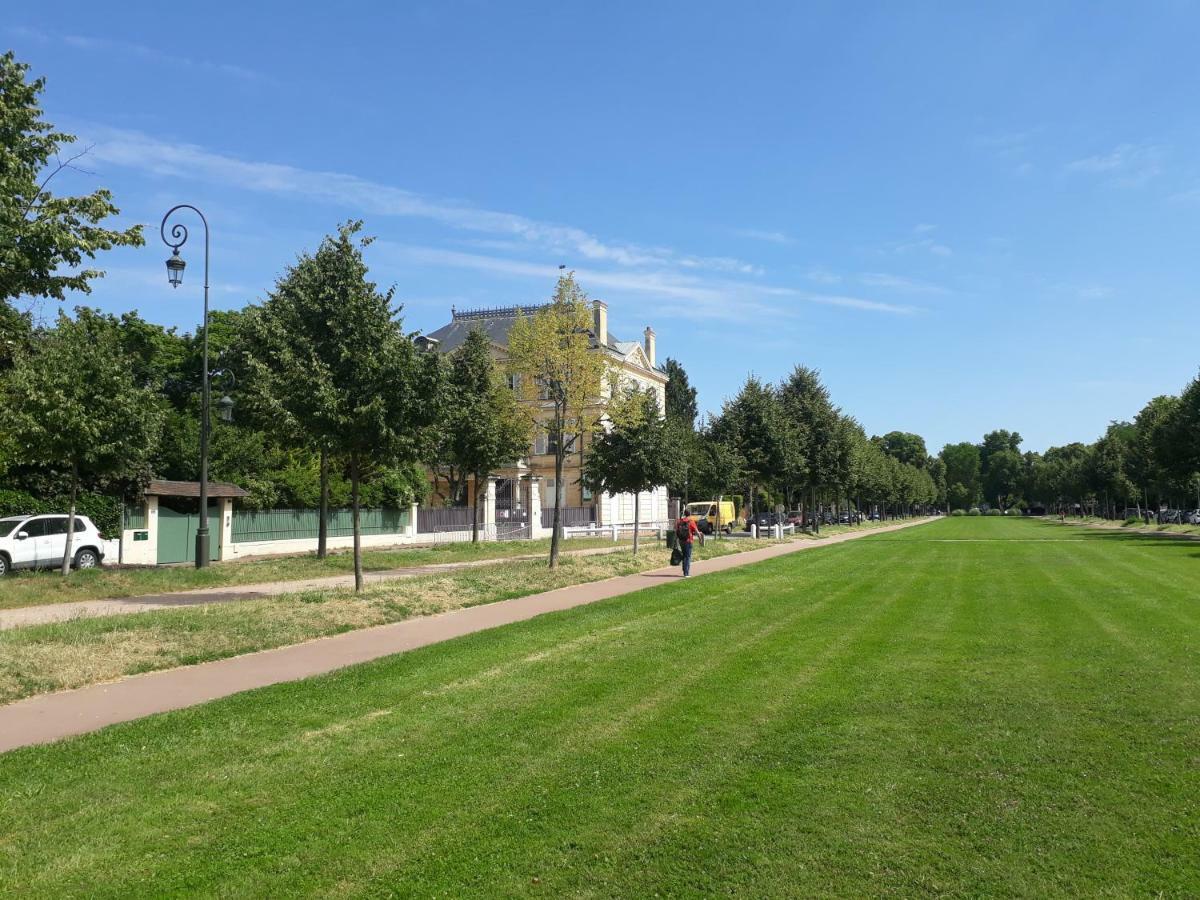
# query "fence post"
(226, 528)
(411, 528)
(489, 511)
(753, 530)
(535, 508)
(616, 532)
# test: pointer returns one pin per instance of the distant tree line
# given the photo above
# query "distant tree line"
(787, 445)
(1150, 463)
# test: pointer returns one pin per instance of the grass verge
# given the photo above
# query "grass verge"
(34, 588)
(42, 658)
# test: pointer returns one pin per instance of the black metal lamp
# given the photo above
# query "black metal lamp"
(175, 267)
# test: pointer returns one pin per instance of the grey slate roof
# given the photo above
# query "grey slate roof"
(497, 322)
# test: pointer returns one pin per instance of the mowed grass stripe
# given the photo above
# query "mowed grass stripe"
(884, 717)
(637, 766)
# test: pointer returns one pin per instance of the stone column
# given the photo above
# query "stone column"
(149, 553)
(488, 529)
(226, 551)
(410, 530)
(535, 509)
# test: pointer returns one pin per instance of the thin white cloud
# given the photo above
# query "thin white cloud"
(681, 295)
(1126, 165)
(899, 283)
(1094, 292)
(823, 276)
(147, 154)
(859, 303)
(770, 237)
(929, 245)
(139, 51)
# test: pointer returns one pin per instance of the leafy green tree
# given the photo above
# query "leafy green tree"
(805, 401)
(681, 396)
(904, 446)
(1177, 443)
(559, 373)
(72, 400)
(995, 442)
(484, 427)
(44, 238)
(753, 423)
(962, 462)
(1149, 467)
(329, 359)
(681, 412)
(633, 455)
(1003, 477)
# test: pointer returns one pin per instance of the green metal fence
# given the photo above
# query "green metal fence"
(295, 524)
(135, 518)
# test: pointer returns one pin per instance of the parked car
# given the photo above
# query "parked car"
(766, 519)
(1193, 517)
(39, 542)
(795, 517)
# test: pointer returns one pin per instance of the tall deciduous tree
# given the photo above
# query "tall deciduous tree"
(44, 238)
(633, 455)
(962, 474)
(754, 424)
(561, 375)
(681, 396)
(333, 361)
(71, 400)
(484, 426)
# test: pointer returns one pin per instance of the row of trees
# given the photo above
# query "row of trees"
(1150, 463)
(788, 445)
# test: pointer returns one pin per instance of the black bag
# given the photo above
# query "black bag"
(676, 556)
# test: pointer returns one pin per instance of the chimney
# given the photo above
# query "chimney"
(650, 346)
(600, 312)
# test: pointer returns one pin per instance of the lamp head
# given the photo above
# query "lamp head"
(175, 267)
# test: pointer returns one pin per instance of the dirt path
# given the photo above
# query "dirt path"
(51, 717)
(86, 609)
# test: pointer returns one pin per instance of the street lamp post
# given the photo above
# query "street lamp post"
(175, 267)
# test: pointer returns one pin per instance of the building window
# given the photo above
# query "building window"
(513, 380)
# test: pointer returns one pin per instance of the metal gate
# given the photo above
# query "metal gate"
(512, 511)
(177, 535)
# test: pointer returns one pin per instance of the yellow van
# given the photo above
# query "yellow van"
(711, 514)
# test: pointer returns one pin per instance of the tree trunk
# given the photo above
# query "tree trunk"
(637, 520)
(558, 492)
(475, 513)
(358, 571)
(323, 525)
(66, 563)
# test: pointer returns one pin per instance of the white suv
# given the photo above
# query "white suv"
(37, 542)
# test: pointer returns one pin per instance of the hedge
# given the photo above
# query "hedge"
(105, 512)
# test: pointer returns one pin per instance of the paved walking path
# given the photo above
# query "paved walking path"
(49, 717)
(87, 609)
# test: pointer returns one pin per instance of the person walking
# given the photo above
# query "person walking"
(686, 532)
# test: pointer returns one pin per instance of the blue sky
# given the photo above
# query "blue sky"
(966, 218)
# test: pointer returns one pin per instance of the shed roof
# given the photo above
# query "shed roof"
(216, 489)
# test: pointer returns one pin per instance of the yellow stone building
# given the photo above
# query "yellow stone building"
(635, 363)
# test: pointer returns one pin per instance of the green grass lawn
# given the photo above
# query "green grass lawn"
(32, 588)
(973, 707)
